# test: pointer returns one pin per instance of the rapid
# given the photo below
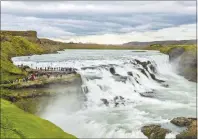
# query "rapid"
(121, 91)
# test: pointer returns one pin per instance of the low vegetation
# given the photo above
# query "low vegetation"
(12, 46)
(15, 123)
(168, 48)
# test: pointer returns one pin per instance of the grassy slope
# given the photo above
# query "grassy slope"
(16, 123)
(14, 46)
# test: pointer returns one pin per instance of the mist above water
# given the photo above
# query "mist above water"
(116, 105)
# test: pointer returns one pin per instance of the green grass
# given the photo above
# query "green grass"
(12, 46)
(16, 123)
(167, 49)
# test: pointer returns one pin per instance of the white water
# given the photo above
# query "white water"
(91, 118)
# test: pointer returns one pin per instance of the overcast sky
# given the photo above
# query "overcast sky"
(103, 22)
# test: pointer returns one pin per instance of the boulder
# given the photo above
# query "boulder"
(190, 132)
(105, 101)
(112, 70)
(154, 131)
(181, 121)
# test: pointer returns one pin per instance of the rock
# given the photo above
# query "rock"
(147, 94)
(143, 72)
(181, 121)
(130, 73)
(186, 64)
(118, 100)
(175, 53)
(154, 78)
(112, 70)
(153, 69)
(165, 85)
(154, 131)
(105, 101)
(190, 133)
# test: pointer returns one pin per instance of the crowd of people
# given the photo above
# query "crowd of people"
(46, 72)
(55, 69)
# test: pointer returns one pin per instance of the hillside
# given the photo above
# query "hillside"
(15, 123)
(12, 46)
(163, 43)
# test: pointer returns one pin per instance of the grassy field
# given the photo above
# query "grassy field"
(16, 123)
(167, 49)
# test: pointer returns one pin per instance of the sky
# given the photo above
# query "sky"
(102, 22)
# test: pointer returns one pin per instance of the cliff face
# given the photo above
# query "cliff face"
(30, 35)
(186, 62)
(20, 33)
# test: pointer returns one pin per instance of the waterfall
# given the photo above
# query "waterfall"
(124, 91)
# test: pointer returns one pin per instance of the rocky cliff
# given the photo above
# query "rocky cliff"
(185, 61)
(30, 35)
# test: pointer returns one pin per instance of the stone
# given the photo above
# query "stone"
(105, 101)
(112, 70)
(154, 131)
(190, 133)
(181, 121)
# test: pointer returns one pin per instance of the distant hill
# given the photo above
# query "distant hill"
(167, 42)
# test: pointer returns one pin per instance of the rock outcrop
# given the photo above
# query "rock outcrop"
(186, 62)
(175, 53)
(181, 121)
(190, 123)
(154, 131)
(30, 35)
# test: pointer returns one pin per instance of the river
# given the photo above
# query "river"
(117, 105)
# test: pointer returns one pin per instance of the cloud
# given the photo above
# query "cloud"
(101, 7)
(178, 33)
(92, 20)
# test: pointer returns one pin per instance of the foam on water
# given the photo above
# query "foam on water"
(91, 117)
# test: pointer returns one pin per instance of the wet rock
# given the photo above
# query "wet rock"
(143, 72)
(186, 61)
(154, 78)
(130, 73)
(118, 100)
(165, 85)
(112, 70)
(147, 94)
(152, 68)
(191, 131)
(154, 131)
(105, 101)
(181, 121)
